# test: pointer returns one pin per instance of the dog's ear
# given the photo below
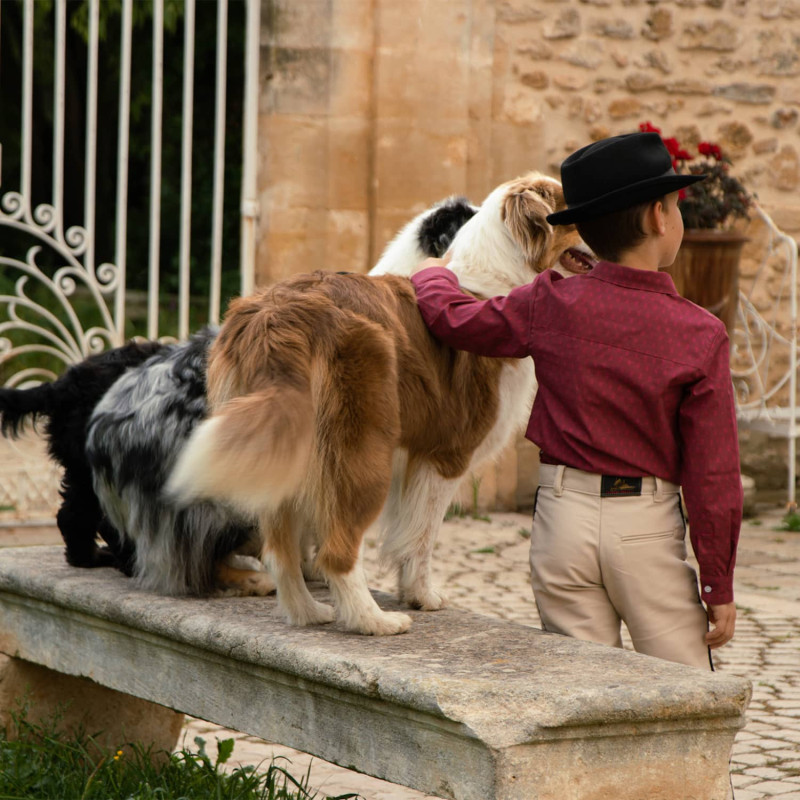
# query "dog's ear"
(525, 211)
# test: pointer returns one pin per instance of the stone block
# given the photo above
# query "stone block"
(403, 148)
(298, 25)
(344, 184)
(463, 706)
(292, 240)
(347, 241)
(351, 79)
(112, 718)
(352, 26)
(294, 162)
(300, 82)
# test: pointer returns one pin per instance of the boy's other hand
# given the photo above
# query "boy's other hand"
(432, 262)
(723, 618)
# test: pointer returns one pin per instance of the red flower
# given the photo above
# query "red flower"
(709, 149)
(673, 146)
(713, 203)
(647, 127)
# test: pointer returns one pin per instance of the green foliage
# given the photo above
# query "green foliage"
(43, 764)
(791, 522)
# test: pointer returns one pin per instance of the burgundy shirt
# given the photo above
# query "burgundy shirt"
(634, 380)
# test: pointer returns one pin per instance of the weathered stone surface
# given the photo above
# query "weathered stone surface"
(734, 137)
(624, 108)
(784, 118)
(462, 706)
(535, 80)
(536, 50)
(566, 25)
(785, 169)
(642, 82)
(757, 93)
(613, 28)
(658, 24)
(701, 35)
(590, 55)
(113, 718)
(764, 146)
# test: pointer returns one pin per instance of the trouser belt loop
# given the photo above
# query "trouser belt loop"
(658, 496)
(558, 483)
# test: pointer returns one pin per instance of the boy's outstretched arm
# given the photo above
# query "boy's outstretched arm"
(499, 326)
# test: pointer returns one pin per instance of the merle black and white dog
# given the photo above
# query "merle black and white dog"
(134, 436)
(142, 423)
(65, 405)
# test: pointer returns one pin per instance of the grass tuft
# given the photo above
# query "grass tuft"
(41, 763)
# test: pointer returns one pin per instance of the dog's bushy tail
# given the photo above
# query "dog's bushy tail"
(18, 406)
(252, 454)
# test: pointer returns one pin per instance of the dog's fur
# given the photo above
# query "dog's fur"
(142, 423)
(66, 405)
(134, 436)
(429, 234)
(332, 401)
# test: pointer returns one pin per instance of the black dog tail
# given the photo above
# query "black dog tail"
(17, 406)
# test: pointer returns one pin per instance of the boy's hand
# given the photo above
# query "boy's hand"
(723, 618)
(432, 262)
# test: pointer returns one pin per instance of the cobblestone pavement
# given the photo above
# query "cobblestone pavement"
(483, 565)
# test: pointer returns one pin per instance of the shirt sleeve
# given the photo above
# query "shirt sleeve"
(710, 474)
(497, 327)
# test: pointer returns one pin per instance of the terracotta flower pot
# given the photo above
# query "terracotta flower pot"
(706, 271)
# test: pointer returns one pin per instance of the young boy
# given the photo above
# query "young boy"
(634, 401)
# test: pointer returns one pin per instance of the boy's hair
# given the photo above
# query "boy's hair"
(610, 235)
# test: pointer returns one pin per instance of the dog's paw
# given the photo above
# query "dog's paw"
(385, 623)
(313, 614)
(258, 584)
(428, 599)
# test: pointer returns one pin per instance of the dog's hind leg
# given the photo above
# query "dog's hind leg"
(79, 518)
(284, 559)
(410, 526)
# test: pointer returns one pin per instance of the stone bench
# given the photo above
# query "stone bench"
(463, 706)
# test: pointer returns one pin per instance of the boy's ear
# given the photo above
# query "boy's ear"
(653, 218)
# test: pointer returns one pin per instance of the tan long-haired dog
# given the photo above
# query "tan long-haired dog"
(332, 402)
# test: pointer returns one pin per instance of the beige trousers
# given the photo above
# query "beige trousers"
(596, 561)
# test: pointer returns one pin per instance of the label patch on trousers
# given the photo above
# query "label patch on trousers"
(619, 486)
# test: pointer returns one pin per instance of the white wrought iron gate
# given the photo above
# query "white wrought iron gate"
(47, 312)
(68, 287)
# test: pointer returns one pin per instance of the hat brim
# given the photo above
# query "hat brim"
(628, 196)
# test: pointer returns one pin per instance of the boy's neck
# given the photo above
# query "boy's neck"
(642, 257)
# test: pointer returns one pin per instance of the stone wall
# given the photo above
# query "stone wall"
(373, 109)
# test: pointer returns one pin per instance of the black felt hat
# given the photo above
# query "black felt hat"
(617, 173)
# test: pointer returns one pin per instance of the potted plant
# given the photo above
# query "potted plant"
(706, 270)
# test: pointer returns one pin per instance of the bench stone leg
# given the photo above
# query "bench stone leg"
(118, 718)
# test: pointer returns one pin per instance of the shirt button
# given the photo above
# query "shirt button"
(707, 589)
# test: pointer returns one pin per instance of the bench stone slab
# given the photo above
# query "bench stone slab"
(462, 706)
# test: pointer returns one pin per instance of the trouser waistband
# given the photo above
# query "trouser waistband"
(561, 478)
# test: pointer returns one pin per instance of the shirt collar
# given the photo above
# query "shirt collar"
(648, 280)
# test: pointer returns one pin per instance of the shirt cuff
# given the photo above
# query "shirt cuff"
(431, 273)
(716, 590)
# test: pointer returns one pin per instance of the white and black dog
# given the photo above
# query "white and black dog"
(141, 424)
